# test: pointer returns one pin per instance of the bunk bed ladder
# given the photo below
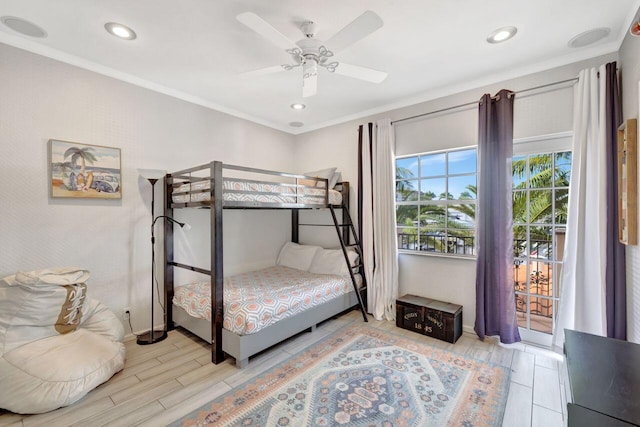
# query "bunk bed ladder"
(347, 222)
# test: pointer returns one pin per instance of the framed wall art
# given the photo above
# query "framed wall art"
(84, 171)
(628, 182)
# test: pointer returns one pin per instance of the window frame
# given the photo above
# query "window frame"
(447, 203)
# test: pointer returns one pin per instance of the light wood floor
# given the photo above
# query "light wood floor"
(165, 381)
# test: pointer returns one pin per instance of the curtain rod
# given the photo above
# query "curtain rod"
(575, 79)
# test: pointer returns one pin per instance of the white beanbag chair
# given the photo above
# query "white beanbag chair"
(55, 343)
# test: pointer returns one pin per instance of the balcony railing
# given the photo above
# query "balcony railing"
(464, 245)
(541, 250)
(460, 245)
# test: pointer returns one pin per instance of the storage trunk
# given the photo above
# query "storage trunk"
(437, 319)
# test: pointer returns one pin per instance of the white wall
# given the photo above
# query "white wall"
(540, 112)
(42, 99)
(630, 73)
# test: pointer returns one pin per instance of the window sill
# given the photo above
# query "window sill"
(436, 255)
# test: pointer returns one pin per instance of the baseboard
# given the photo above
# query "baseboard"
(468, 329)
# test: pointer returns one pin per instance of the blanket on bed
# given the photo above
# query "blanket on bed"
(255, 300)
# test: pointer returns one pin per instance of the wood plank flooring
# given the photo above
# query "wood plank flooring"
(162, 382)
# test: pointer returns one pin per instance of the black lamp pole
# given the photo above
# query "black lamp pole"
(152, 336)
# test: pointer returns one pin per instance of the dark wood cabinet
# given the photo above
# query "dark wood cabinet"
(603, 376)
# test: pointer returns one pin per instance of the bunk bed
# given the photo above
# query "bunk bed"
(216, 186)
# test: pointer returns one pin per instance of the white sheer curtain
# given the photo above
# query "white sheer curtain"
(582, 298)
(378, 223)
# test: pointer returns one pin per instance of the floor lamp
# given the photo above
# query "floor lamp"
(153, 175)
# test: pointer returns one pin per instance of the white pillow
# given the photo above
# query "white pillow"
(336, 178)
(323, 173)
(297, 256)
(331, 261)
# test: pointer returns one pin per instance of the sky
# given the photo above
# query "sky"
(107, 157)
(433, 167)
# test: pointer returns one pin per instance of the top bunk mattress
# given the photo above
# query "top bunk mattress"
(255, 300)
(247, 191)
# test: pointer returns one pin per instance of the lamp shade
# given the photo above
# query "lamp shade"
(152, 173)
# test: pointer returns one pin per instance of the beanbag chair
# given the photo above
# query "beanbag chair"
(56, 344)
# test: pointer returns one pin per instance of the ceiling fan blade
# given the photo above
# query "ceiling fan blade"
(309, 79)
(262, 71)
(266, 30)
(358, 29)
(362, 73)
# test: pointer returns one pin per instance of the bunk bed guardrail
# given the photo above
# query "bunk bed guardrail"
(308, 192)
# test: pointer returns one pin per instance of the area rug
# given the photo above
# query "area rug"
(364, 376)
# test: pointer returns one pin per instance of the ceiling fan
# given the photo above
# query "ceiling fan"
(311, 53)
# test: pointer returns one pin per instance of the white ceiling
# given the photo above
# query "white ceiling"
(195, 49)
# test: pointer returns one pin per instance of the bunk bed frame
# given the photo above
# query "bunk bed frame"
(224, 342)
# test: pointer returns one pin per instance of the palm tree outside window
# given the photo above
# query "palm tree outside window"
(435, 202)
(540, 200)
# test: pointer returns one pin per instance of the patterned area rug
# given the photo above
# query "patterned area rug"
(363, 376)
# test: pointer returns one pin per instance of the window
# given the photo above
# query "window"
(540, 199)
(436, 202)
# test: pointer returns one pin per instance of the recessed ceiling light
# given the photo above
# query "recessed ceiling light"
(23, 26)
(296, 124)
(589, 37)
(119, 30)
(502, 34)
(298, 106)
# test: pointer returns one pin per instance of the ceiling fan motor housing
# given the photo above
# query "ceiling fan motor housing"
(308, 29)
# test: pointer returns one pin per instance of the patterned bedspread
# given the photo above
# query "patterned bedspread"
(257, 299)
(286, 194)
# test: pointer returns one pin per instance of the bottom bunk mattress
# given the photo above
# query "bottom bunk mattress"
(255, 300)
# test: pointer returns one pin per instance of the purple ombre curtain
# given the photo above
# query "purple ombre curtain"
(495, 295)
(616, 294)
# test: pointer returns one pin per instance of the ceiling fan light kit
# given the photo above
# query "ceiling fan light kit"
(310, 53)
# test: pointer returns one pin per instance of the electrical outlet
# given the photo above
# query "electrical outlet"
(126, 313)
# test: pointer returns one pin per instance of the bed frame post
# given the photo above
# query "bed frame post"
(295, 227)
(217, 275)
(168, 254)
(345, 206)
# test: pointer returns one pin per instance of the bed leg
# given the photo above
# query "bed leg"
(312, 328)
(242, 363)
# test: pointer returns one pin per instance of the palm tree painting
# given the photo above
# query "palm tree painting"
(84, 171)
(85, 155)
